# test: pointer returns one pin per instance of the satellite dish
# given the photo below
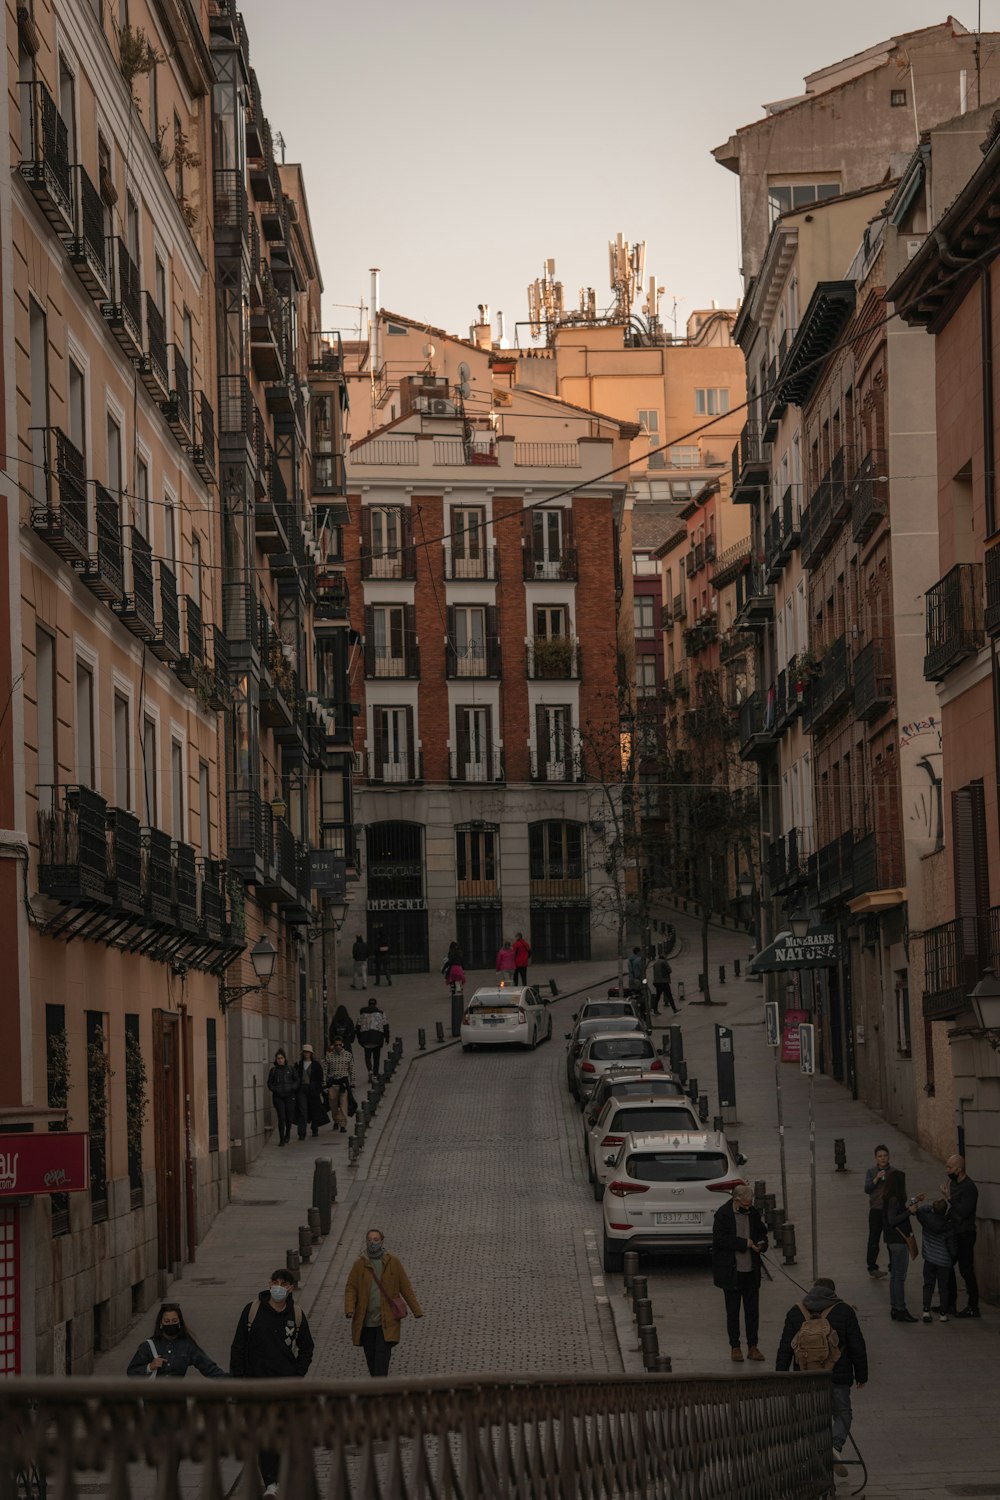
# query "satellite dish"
(429, 351)
(463, 379)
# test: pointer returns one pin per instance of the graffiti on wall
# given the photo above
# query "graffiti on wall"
(920, 745)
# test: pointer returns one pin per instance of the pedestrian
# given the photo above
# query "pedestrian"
(373, 1034)
(875, 1188)
(379, 955)
(359, 953)
(272, 1342)
(376, 1298)
(506, 963)
(452, 957)
(172, 1349)
(900, 1242)
(284, 1084)
(522, 958)
(636, 971)
(822, 1332)
(342, 1026)
(660, 972)
(310, 1095)
(454, 975)
(739, 1239)
(963, 1198)
(939, 1248)
(339, 1081)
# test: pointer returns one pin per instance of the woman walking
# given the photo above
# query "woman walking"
(339, 1081)
(378, 1292)
(283, 1083)
(506, 963)
(342, 1026)
(898, 1236)
(171, 1350)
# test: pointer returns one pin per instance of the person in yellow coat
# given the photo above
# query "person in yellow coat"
(377, 1289)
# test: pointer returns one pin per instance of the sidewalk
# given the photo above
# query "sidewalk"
(927, 1420)
(249, 1238)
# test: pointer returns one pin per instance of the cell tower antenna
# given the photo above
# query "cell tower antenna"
(627, 266)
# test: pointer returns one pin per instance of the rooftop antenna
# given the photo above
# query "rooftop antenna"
(279, 141)
(627, 267)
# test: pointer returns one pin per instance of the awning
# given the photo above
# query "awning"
(817, 950)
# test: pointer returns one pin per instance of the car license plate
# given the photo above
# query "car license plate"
(677, 1218)
(493, 1020)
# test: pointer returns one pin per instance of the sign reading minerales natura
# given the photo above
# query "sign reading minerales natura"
(817, 950)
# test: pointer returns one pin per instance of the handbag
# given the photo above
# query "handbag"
(152, 1374)
(398, 1304)
(911, 1243)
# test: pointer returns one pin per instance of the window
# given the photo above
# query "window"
(385, 552)
(169, 534)
(389, 623)
(685, 456)
(553, 742)
(204, 809)
(132, 240)
(114, 462)
(38, 354)
(45, 705)
(177, 789)
(555, 852)
(123, 752)
(783, 196)
(645, 676)
(76, 405)
(649, 421)
(149, 771)
(142, 497)
(474, 747)
(467, 526)
(25, 78)
(85, 768)
(106, 183)
(469, 639)
(67, 105)
(643, 610)
(196, 568)
(160, 285)
(394, 757)
(475, 862)
(903, 1038)
(713, 401)
(187, 330)
(897, 98)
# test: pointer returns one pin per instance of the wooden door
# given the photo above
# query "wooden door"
(167, 1133)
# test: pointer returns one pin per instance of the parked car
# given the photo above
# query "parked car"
(664, 1191)
(594, 1026)
(622, 1117)
(590, 1010)
(628, 1083)
(493, 1016)
(607, 1050)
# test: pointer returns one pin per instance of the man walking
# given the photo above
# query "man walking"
(739, 1239)
(376, 1297)
(823, 1333)
(963, 1198)
(359, 953)
(522, 958)
(379, 955)
(875, 1188)
(272, 1342)
(659, 973)
(636, 971)
(373, 1034)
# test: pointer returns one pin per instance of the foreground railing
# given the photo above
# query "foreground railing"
(760, 1437)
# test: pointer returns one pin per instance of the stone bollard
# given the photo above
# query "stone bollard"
(630, 1266)
(421, 1038)
(692, 1088)
(777, 1219)
(663, 1364)
(719, 1124)
(788, 1242)
(305, 1243)
(324, 1191)
(736, 967)
(759, 1189)
(292, 1263)
(353, 1151)
(640, 1289)
(643, 1310)
(722, 973)
(840, 1154)
(767, 1208)
(649, 1343)
(312, 1215)
(682, 1071)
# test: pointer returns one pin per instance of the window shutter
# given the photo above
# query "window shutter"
(411, 746)
(492, 641)
(541, 738)
(379, 738)
(567, 528)
(410, 650)
(968, 819)
(366, 541)
(461, 740)
(409, 568)
(369, 640)
(489, 745)
(451, 663)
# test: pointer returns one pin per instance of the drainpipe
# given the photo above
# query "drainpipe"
(188, 1159)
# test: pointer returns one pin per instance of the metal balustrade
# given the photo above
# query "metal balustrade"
(89, 246)
(954, 619)
(153, 368)
(547, 455)
(123, 313)
(625, 1437)
(46, 168)
(62, 519)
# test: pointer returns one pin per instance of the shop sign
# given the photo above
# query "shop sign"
(817, 950)
(790, 1044)
(403, 903)
(328, 874)
(35, 1163)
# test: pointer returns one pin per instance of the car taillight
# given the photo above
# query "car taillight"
(577, 1048)
(522, 1018)
(623, 1189)
(612, 1140)
(656, 1066)
(467, 1018)
(587, 1067)
(727, 1186)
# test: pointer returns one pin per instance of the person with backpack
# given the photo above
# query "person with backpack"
(940, 1251)
(359, 953)
(171, 1350)
(377, 1297)
(739, 1239)
(373, 1034)
(272, 1342)
(822, 1332)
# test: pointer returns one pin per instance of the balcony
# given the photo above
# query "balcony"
(219, 694)
(329, 477)
(326, 352)
(877, 862)
(729, 564)
(538, 567)
(203, 450)
(991, 615)
(393, 562)
(46, 170)
(157, 876)
(62, 520)
(787, 866)
(702, 635)
(835, 870)
(249, 832)
(869, 495)
(562, 768)
(88, 249)
(830, 691)
(268, 330)
(751, 464)
(734, 643)
(689, 565)
(333, 598)
(124, 847)
(166, 643)
(185, 886)
(873, 680)
(484, 766)
(680, 608)
(955, 954)
(758, 730)
(755, 600)
(272, 511)
(177, 409)
(211, 898)
(191, 665)
(236, 413)
(954, 620)
(395, 768)
(153, 367)
(481, 564)
(230, 209)
(104, 570)
(554, 658)
(680, 683)
(477, 449)
(123, 312)
(72, 844)
(136, 608)
(240, 619)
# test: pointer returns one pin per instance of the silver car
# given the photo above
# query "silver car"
(608, 1050)
(593, 1026)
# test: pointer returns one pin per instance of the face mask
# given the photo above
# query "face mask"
(375, 1249)
(952, 1176)
(279, 1293)
(170, 1330)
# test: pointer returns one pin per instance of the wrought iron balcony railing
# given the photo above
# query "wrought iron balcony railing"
(123, 312)
(869, 495)
(551, 657)
(166, 644)
(62, 518)
(568, 766)
(397, 766)
(472, 765)
(157, 876)
(72, 844)
(89, 246)
(177, 409)
(539, 566)
(991, 614)
(874, 685)
(104, 571)
(954, 619)
(46, 168)
(203, 450)
(483, 565)
(124, 846)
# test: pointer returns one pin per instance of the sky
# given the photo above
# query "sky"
(458, 144)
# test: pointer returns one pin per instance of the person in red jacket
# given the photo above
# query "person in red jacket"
(522, 958)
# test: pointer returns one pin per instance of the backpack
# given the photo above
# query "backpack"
(296, 1313)
(816, 1346)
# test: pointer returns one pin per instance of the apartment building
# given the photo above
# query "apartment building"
(119, 788)
(485, 581)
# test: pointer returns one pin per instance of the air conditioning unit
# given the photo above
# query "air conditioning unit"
(439, 407)
(503, 398)
(422, 403)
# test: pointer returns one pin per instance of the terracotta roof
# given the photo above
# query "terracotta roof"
(652, 528)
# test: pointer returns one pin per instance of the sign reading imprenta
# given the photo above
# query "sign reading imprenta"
(817, 950)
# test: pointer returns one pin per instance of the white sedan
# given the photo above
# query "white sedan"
(500, 1015)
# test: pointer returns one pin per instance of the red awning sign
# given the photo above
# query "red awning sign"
(36, 1163)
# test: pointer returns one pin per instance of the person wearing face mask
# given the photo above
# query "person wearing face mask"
(272, 1342)
(171, 1350)
(377, 1289)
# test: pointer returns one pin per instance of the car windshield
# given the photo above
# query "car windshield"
(607, 1048)
(626, 1088)
(592, 1027)
(496, 997)
(494, 1005)
(676, 1166)
(607, 1008)
(652, 1118)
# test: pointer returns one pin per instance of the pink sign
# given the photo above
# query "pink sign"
(36, 1163)
(790, 1034)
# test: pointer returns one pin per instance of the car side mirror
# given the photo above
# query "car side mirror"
(569, 1036)
(609, 1161)
(576, 1015)
(741, 1160)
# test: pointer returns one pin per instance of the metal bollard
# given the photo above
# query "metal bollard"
(324, 1191)
(630, 1267)
(439, 1031)
(673, 1038)
(553, 988)
(718, 1123)
(663, 1364)
(777, 1220)
(767, 1208)
(312, 1215)
(643, 1310)
(759, 1189)
(788, 1242)
(364, 1114)
(722, 973)
(840, 1154)
(353, 1151)
(292, 1263)
(701, 983)
(736, 967)
(734, 1146)
(649, 1343)
(681, 1070)
(703, 1108)
(421, 1038)
(693, 1090)
(640, 1289)
(457, 1009)
(305, 1243)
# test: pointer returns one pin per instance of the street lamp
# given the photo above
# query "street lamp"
(985, 1002)
(744, 885)
(263, 956)
(798, 921)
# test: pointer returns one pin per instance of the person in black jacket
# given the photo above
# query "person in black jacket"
(272, 1342)
(283, 1083)
(171, 1350)
(359, 954)
(343, 1027)
(739, 1239)
(310, 1097)
(963, 1200)
(851, 1367)
(897, 1233)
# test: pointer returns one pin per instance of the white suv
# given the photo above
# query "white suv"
(622, 1117)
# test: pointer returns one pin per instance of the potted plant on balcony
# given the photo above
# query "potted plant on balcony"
(553, 656)
(806, 666)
